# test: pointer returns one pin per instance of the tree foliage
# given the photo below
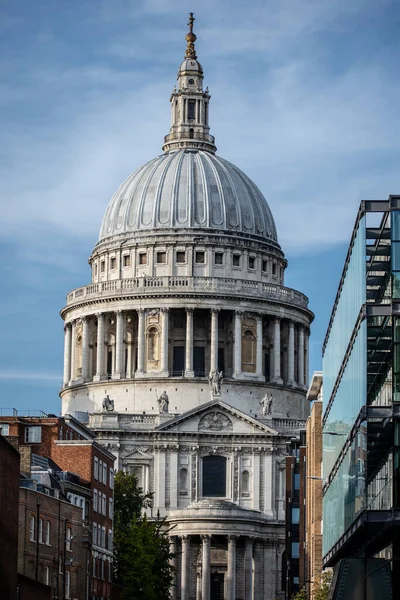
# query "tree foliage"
(322, 590)
(300, 595)
(141, 548)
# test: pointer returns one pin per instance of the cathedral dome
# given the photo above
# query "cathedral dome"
(189, 189)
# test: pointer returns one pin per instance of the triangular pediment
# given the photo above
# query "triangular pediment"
(216, 417)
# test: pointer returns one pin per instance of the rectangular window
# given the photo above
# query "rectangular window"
(95, 534)
(295, 549)
(112, 479)
(142, 258)
(236, 260)
(47, 575)
(96, 468)
(68, 539)
(104, 473)
(180, 257)
(33, 435)
(273, 269)
(4, 429)
(67, 584)
(161, 258)
(104, 505)
(127, 260)
(191, 110)
(110, 508)
(100, 471)
(110, 541)
(265, 266)
(32, 529)
(199, 257)
(94, 568)
(102, 266)
(95, 270)
(295, 516)
(102, 569)
(110, 569)
(219, 258)
(252, 262)
(103, 537)
(40, 531)
(48, 533)
(95, 500)
(113, 263)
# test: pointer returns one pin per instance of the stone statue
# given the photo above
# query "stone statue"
(163, 402)
(266, 405)
(108, 404)
(215, 380)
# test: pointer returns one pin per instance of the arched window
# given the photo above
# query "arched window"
(249, 351)
(214, 476)
(152, 344)
(245, 482)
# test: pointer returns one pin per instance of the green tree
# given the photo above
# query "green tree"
(300, 595)
(141, 547)
(322, 590)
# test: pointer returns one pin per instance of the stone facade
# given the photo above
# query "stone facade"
(189, 355)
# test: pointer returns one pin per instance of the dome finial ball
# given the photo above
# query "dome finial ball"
(190, 38)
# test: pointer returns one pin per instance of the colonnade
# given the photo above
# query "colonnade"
(123, 368)
(245, 574)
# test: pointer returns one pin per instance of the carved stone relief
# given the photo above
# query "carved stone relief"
(215, 421)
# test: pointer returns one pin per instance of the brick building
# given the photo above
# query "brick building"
(313, 546)
(9, 490)
(53, 544)
(95, 466)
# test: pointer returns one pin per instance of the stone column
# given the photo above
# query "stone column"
(214, 339)
(100, 348)
(257, 569)
(206, 555)
(119, 345)
(259, 352)
(173, 562)
(85, 348)
(67, 354)
(231, 581)
(291, 354)
(140, 341)
(185, 567)
(73, 351)
(189, 344)
(237, 364)
(248, 568)
(277, 351)
(300, 355)
(306, 357)
(164, 341)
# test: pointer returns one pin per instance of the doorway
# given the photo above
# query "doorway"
(217, 586)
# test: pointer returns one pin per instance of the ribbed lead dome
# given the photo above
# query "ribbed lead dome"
(188, 189)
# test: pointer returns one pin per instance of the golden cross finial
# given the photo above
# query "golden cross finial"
(191, 21)
(190, 38)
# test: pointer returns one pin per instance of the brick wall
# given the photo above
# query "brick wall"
(9, 490)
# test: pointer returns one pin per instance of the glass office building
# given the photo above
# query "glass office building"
(361, 372)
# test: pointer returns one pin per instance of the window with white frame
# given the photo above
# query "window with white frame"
(100, 470)
(32, 529)
(4, 429)
(48, 533)
(102, 569)
(110, 541)
(95, 534)
(110, 571)
(33, 435)
(95, 500)
(112, 479)
(103, 537)
(68, 539)
(104, 505)
(47, 575)
(110, 508)
(40, 531)
(67, 584)
(104, 473)
(96, 468)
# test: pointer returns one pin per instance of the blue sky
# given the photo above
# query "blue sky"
(304, 100)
